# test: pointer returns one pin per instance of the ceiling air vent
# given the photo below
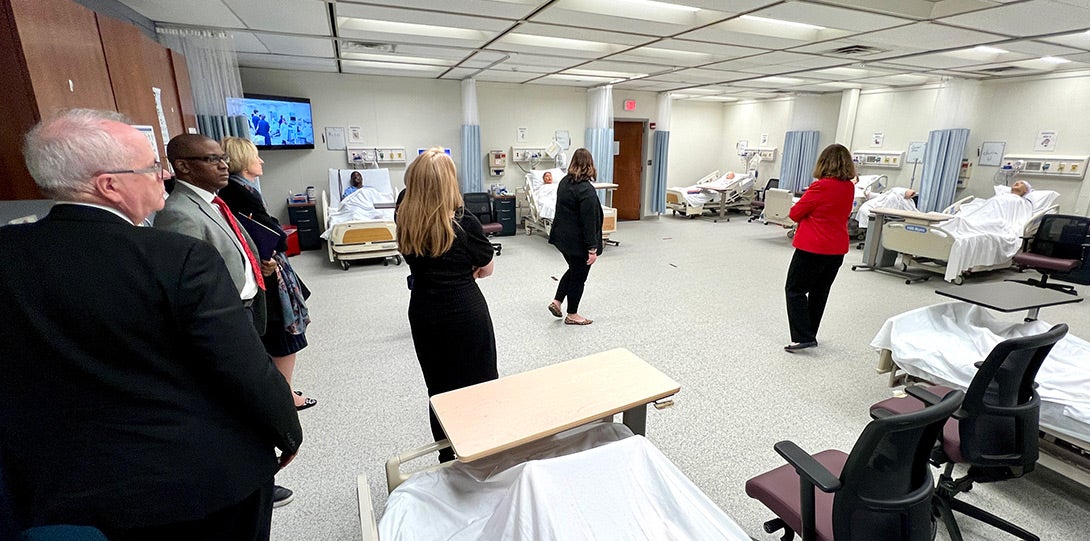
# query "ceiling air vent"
(363, 46)
(855, 50)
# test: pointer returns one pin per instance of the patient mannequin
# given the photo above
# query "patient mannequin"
(547, 178)
(1021, 188)
(895, 198)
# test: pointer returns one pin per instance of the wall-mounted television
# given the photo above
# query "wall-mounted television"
(276, 122)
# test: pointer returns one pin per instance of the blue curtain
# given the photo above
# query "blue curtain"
(658, 171)
(600, 144)
(472, 177)
(941, 163)
(800, 152)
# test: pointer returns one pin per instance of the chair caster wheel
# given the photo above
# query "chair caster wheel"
(344, 265)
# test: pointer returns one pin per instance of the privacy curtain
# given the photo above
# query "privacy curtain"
(214, 77)
(941, 164)
(472, 177)
(661, 151)
(599, 135)
(800, 152)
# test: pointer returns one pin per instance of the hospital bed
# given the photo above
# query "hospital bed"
(713, 194)
(362, 226)
(549, 468)
(940, 344)
(541, 199)
(947, 244)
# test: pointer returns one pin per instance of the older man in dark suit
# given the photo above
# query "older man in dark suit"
(138, 397)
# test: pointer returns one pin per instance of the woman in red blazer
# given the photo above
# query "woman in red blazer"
(820, 243)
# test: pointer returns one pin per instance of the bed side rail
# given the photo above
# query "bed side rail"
(367, 509)
(394, 477)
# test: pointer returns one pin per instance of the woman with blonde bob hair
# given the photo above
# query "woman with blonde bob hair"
(447, 251)
(820, 243)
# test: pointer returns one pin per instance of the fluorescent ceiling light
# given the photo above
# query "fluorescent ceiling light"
(1054, 60)
(778, 21)
(390, 27)
(611, 74)
(781, 80)
(716, 98)
(837, 84)
(557, 43)
(656, 52)
(989, 50)
(577, 77)
(349, 55)
(390, 65)
(661, 5)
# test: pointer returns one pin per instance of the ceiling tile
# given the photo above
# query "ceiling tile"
(1080, 40)
(196, 12)
(830, 17)
(251, 60)
(396, 70)
(652, 19)
(1027, 18)
(306, 17)
(503, 9)
(247, 42)
(297, 45)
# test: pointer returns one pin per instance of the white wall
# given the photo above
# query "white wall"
(696, 142)
(901, 116)
(749, 120)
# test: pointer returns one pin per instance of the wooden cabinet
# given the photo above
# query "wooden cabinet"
(57, 54)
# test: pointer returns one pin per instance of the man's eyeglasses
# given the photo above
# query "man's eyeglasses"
(211, 159)
(156, 168)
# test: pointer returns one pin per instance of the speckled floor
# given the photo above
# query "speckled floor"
(701, 301)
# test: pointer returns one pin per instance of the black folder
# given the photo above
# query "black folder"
(265, 238)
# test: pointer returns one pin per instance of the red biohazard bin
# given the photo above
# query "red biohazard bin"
(293, 240)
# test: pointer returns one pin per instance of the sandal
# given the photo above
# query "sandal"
(584, 321)
(554, 309)
(306, 404)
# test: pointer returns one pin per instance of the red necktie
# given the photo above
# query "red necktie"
(216, 200)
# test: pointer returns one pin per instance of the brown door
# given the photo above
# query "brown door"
(628, 169)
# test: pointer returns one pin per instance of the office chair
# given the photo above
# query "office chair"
(479, 204)
(758, 204)
(1060, 249)
(994, 432)
(881, 490)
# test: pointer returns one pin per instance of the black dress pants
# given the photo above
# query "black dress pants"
(574, 280)
(809, 279)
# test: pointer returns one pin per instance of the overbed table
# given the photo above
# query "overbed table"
(871, 256)
(1009, 297)
(484, 419)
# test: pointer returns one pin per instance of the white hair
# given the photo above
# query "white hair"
(1029, 187)
(66, 151)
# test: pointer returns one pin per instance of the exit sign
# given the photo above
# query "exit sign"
(629, 105)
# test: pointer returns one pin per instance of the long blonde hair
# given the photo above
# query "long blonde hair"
(425, 219)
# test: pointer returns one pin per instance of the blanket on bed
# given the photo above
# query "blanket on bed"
(359, 206)
(941, 343)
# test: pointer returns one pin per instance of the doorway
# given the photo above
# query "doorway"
(628, 169)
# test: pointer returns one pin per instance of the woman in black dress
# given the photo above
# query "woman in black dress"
(577, 233)
(286, 310)
(447, 252)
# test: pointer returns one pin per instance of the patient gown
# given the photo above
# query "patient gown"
(451, 327)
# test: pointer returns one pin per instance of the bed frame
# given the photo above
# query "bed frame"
(924, 245)
(535, 222)
(350, 241)
(739, 198)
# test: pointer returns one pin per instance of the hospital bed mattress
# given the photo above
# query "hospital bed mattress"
(941, 343)
(594, 482)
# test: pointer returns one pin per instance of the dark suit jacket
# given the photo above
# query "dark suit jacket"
(577, 224)
(136, 391)
(186, 213)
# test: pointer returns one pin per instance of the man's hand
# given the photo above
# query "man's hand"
(286, 459)
(268, 267)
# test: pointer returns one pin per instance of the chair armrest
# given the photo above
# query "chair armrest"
(923, 395)
(807, 466)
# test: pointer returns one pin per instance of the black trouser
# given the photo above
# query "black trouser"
(573, 281)
(249, 519)
(809, 279)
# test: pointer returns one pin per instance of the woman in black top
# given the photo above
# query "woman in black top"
(577, 233)
(285, 294)
(447, 252)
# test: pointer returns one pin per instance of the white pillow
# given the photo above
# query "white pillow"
(1042, 199)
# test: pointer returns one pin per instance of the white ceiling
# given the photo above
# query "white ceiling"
(700, 49)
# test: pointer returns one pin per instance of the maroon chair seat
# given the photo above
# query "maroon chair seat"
(779, 491)
(493, 228)
(1041, 262)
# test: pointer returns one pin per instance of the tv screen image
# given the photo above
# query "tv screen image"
(276, 122)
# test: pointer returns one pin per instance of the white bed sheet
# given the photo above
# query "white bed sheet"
(360, 207)
(893, 198)
(620, 488)
(544, 194)
(989, 231)
(941, 343)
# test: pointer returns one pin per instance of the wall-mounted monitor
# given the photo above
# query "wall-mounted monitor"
(276, 122)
